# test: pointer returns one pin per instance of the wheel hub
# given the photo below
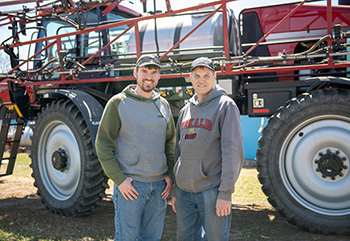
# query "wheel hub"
(60, 160)
(331, 164)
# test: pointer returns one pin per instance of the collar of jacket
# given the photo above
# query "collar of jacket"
(129, 92)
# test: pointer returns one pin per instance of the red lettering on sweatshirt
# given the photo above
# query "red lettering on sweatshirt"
(190, 123)
(197, 122)
(201, 125)
(208, 125)
(182, 125)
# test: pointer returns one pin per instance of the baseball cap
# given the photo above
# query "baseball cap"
(148, 60)
(202, 62)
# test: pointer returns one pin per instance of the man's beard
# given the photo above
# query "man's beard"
(148, 89)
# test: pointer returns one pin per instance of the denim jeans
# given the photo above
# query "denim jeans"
(142, 218)
(197, 219)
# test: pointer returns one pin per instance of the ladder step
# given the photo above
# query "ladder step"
(14, 141)
(8, 158)
(4, 161)
(9, 117)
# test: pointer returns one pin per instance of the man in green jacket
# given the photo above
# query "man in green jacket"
(135, 145)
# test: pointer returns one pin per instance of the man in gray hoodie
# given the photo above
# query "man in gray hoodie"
(135, 145)
(208, 158)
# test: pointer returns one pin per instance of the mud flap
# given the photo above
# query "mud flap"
(90, 108)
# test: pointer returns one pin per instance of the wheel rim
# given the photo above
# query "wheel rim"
(61, 183)
(303, 168)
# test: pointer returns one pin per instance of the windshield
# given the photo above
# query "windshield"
(84, 45)
(119, 47)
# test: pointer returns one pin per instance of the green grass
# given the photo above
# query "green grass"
(21, 165)
(20, 178)
(248, 189)
(23, 217)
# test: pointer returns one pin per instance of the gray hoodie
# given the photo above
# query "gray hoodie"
(209, 144)
(136, 137)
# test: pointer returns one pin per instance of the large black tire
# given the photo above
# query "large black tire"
(67, 173)
(303, 161)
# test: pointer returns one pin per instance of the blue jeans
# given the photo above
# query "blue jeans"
(197, 219)
(142, 218)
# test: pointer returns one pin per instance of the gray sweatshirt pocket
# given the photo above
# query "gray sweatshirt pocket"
(146, 164)
(189, 175)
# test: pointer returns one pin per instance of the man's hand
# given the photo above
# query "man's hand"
(127, 190)
(168, 187)
(173, 204)
(223, 207)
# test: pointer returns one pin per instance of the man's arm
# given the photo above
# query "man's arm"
(232, 157)
(105, 141)
(170, 145)
(232, 150)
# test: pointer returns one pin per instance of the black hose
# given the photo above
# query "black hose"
(155, 28)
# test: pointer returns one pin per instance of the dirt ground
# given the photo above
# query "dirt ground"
(24, 217)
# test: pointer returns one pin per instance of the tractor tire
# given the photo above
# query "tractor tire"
(67, 173)
(303, 161)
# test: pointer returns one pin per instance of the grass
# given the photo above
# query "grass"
(248, 189)
(23, 217)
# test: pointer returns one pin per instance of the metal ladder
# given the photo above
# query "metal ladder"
(10, 116)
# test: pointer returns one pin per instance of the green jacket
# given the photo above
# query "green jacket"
(136, 138)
